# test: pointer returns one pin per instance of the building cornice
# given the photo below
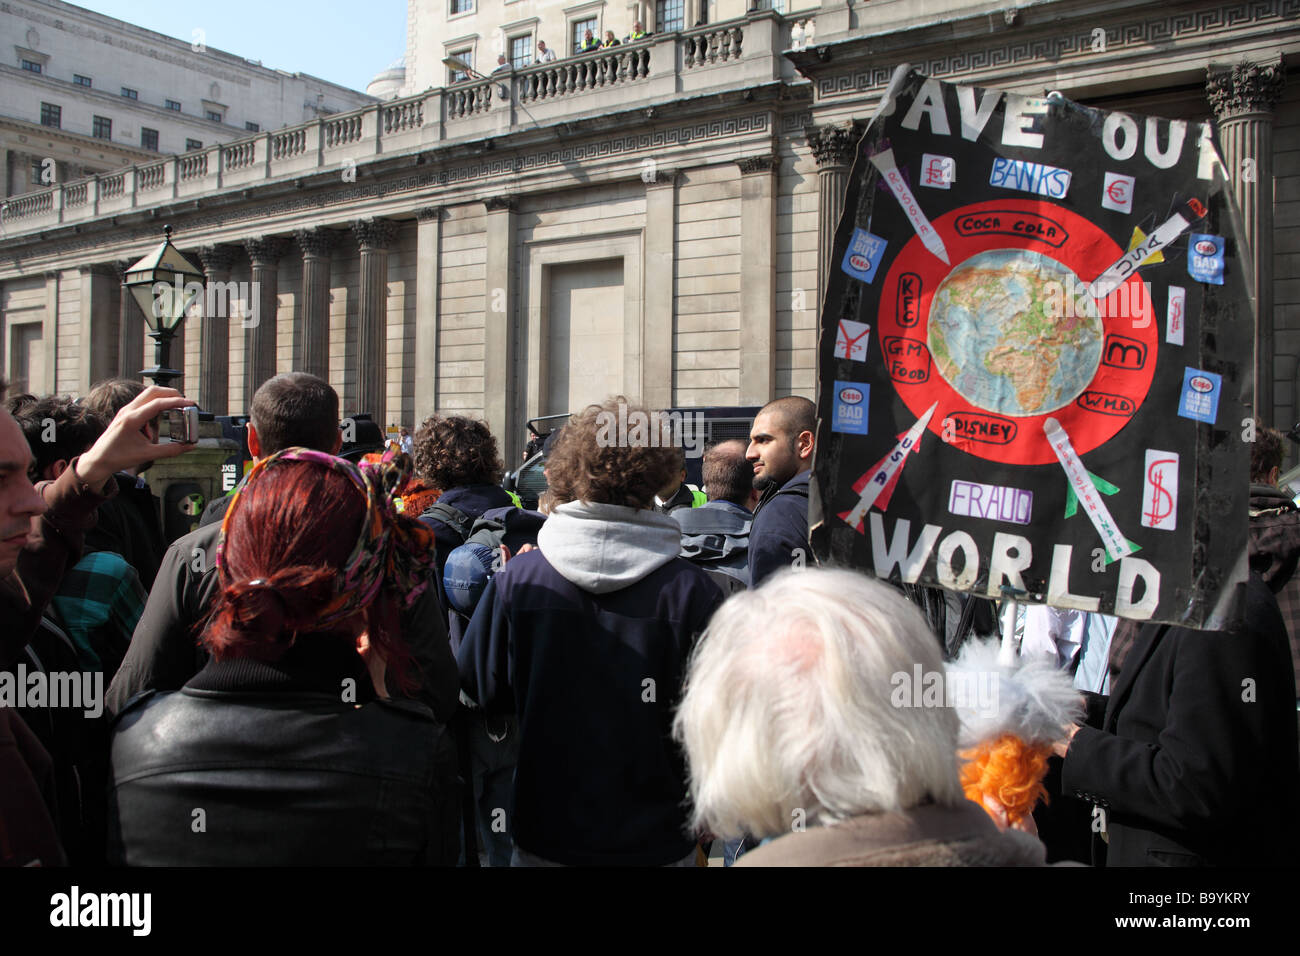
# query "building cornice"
(1058, 36)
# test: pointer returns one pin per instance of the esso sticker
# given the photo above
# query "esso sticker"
(851, 396)
(1201, 383)
(860, 262)
(1206, 248)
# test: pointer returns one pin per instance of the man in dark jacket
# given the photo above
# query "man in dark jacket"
(1192, 758)
(781, 450)
(290, 409)
(458, 456)
(129, 524)
(41, 531)
(1275, 534)
(715, 536)
(586, 638)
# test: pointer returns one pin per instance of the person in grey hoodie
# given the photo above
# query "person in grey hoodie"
(587, 638)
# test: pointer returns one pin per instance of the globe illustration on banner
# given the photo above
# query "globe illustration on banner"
(1012, 331)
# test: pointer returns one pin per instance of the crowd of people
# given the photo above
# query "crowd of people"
(395, 663)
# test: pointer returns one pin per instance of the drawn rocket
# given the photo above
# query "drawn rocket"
(877, 484)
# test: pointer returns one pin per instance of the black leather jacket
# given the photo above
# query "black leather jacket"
(259, 764)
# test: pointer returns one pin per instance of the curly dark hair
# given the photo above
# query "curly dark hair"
(455, 451)
(590, 462)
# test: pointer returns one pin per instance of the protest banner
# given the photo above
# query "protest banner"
(1035, 359)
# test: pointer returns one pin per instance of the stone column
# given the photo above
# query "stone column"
(214, 329)
(130, 326)
(833, 148)
(264, 253)
(758, 189)
(428, 244)
(100, 317)
(657, 315)
(501, 397)
(1244, 97)
(373, 236)
(316, 245)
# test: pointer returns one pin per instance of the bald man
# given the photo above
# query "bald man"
(780, 451)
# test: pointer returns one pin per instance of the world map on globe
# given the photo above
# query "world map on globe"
(1001, 337)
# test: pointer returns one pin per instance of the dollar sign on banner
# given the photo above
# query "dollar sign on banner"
(1155, 474)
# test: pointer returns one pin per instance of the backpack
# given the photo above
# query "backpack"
(471, 565)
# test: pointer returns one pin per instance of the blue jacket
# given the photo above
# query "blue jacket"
(595, 677)
(780, 529)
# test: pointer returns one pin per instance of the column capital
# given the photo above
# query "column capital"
(504, 201)
(659, 177)
(217, 258)
(373, 234)
(759, 164)
(429, 214)
(315, 243)
(1244, 87)
(833, 145)
(265, 250)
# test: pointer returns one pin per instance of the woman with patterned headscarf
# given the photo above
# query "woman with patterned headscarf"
(284, 749)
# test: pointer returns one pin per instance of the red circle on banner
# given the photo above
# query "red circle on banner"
(1110, 374)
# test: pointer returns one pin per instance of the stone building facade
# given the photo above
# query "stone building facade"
(82, 93)
(653, 221)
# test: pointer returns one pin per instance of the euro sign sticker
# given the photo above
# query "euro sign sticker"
(1160, 490)
(1205, 258)
(1117, 193)
(850, 408)
(863, 256)
(851, 340)
(1200, 400)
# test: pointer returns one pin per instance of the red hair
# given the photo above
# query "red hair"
(294, 527)
(1008, 770)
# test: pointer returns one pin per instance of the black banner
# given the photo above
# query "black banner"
(1035, 364)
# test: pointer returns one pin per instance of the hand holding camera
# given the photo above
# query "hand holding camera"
(125, 444)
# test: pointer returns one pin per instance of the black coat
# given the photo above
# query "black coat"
(1195, 759)
(285, 769)
(129, 524)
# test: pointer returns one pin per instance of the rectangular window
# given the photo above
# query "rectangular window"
(521, 51)
(102, 128)
(670, 15)
(459, 76)
(173, 105)
(580, 28)
(149, 138)
(461, 6)
(38, 171)
(214, 116)
(81, 80)
(192, 144)
(252, 127)
(51, 115)
(129, 93)
(31, 66)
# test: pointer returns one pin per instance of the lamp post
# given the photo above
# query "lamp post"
(165, 285)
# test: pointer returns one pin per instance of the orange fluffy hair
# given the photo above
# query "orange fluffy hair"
(1008, 770)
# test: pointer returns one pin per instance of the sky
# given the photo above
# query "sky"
(343, 41)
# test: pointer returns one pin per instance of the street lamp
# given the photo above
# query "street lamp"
(165, 285)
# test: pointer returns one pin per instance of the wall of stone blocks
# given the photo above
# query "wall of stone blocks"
(69, 333)
(400, 349)
(798, 296)
(240, 271)
(345, 283)
(706, 288)
(462, 296)
(1286, 258)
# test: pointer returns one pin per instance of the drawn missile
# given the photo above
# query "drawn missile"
(877, 484)
(1147, 249)
(884, 161)
(1086, 486)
